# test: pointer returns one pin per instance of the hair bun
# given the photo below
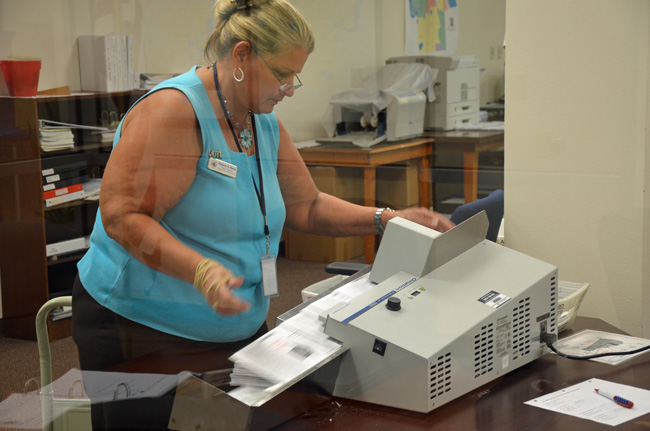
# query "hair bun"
(242, 5)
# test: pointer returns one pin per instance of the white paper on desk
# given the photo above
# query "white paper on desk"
(582, 401)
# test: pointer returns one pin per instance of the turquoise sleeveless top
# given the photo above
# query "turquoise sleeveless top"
(219, 216)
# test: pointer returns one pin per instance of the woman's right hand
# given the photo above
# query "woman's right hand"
(217, 283)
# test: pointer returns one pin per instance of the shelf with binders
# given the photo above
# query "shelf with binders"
(28, 276)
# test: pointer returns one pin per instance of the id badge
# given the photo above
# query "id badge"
(221, 167)
(269, 276)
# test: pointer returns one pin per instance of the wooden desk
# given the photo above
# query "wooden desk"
(368, 159)
(470, 143)
(497, 405)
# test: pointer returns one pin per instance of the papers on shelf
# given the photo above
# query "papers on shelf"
(582, 401)
(589, 342)
(55, 135)
(54, 139)
(91, 189)
(290, 351)
(484, 125)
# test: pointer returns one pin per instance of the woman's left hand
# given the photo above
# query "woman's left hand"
(423, 216)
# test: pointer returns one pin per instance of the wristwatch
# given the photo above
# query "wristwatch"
(378, 214)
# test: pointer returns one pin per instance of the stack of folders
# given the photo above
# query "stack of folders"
(64, 183)
(57, 136)
(106, 63)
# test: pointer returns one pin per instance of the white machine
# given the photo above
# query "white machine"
(457, 90)
(450, 312)
(441, 315)
(389, 106)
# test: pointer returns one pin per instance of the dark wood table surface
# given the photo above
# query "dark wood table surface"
(498, 405)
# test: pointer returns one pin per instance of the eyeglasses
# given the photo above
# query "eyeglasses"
(284, 86)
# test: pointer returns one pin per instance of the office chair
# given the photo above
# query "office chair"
(493, 206)
(57, 414)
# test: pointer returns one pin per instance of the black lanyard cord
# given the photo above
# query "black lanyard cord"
(260, 196)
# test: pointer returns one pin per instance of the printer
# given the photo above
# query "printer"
(390, 105)
(457, 90)
(449, 313)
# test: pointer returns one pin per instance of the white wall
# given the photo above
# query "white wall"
(577, 148)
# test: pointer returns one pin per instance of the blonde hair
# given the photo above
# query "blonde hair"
(272, 26)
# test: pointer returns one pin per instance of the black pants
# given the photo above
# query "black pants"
(105, 339)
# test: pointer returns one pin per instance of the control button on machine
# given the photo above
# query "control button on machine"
(394, 304)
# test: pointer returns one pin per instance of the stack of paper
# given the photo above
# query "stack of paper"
(290, 351)
(484, 125)
(55, 135)
(91, 189)
(55, 138)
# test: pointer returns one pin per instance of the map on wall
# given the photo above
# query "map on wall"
(431, 27)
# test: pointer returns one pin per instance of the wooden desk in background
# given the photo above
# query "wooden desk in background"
(368, 159)
(470, 143)
(498, 405)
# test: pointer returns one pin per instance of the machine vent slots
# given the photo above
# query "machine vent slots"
(553, 319)
(440, 376)
(521, 329)
(484, 351)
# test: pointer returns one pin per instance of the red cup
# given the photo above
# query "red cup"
(21, 76)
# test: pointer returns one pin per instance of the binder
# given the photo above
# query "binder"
(103, 63)
(64, 183)
(63, 199)
(67, 246)
(95, 54)
(61, 176)
(62, 191)
(65, 168)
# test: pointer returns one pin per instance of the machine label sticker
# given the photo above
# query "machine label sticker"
(503, 340)
(494, 299)
(378, 301)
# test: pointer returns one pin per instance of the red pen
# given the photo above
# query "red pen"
(618, 400)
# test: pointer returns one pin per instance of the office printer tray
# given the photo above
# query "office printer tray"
(201, 405)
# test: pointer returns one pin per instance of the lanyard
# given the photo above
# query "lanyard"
(260, 192)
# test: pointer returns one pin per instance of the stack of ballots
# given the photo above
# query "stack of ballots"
(291, 351)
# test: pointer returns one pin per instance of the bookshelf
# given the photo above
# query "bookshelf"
(28, 277)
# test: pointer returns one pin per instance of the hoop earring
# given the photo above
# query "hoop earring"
(234, 74)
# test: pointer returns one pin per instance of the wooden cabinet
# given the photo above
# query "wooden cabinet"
(27, 277)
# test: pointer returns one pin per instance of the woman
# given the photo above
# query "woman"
(202, 180)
